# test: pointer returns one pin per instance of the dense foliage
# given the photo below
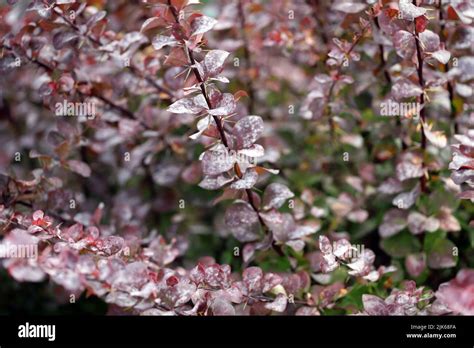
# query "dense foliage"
(240, 157)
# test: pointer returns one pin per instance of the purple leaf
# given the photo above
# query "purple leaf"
(242, 221)
(247, 131)
(342, 249)
(447, 221)
(415, 264)
(325, 245)
(404, 88)
(214, 182)
(202, 24)
(409, 167)
(189, 105)
(349, 7)
(359, 215)
(214, 62)
(362, 264)
(458, 294)
(394, 221)
(161, 41)
(418, 223)
(96, 17)
(202, 126)
(270, 280)
(225, 106)
(279, 304)
(437, 138)
(442, 56)
(275, 196)
(409, 11)
(405, 200)
(79, 167)
(374, 305)
(64, 39)
(151, 23)
(329, 263)
(217, 160)
(248, 180)
(466, 68)
(305, 230)
(307, 311)
(253, 279)
(111, 245)
(222, 307)
(404, 43)
(429, 41)
(255, 150)
(281, 224)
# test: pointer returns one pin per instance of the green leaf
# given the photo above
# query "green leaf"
(439, 197)
(470, 231)
(363, 229)
(431, 238)
(401, 244)
(354, 296)
(441, 252)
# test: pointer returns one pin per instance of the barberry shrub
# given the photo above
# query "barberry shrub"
(244, 157)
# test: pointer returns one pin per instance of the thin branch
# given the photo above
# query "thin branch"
(134, 70)
(332, 125)
(383, 67)
(248, 61)
(220, 128)
(446, 69)
(50, 213)
(383, 64)
(317, 7)
(422, 101)
(104, 99)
